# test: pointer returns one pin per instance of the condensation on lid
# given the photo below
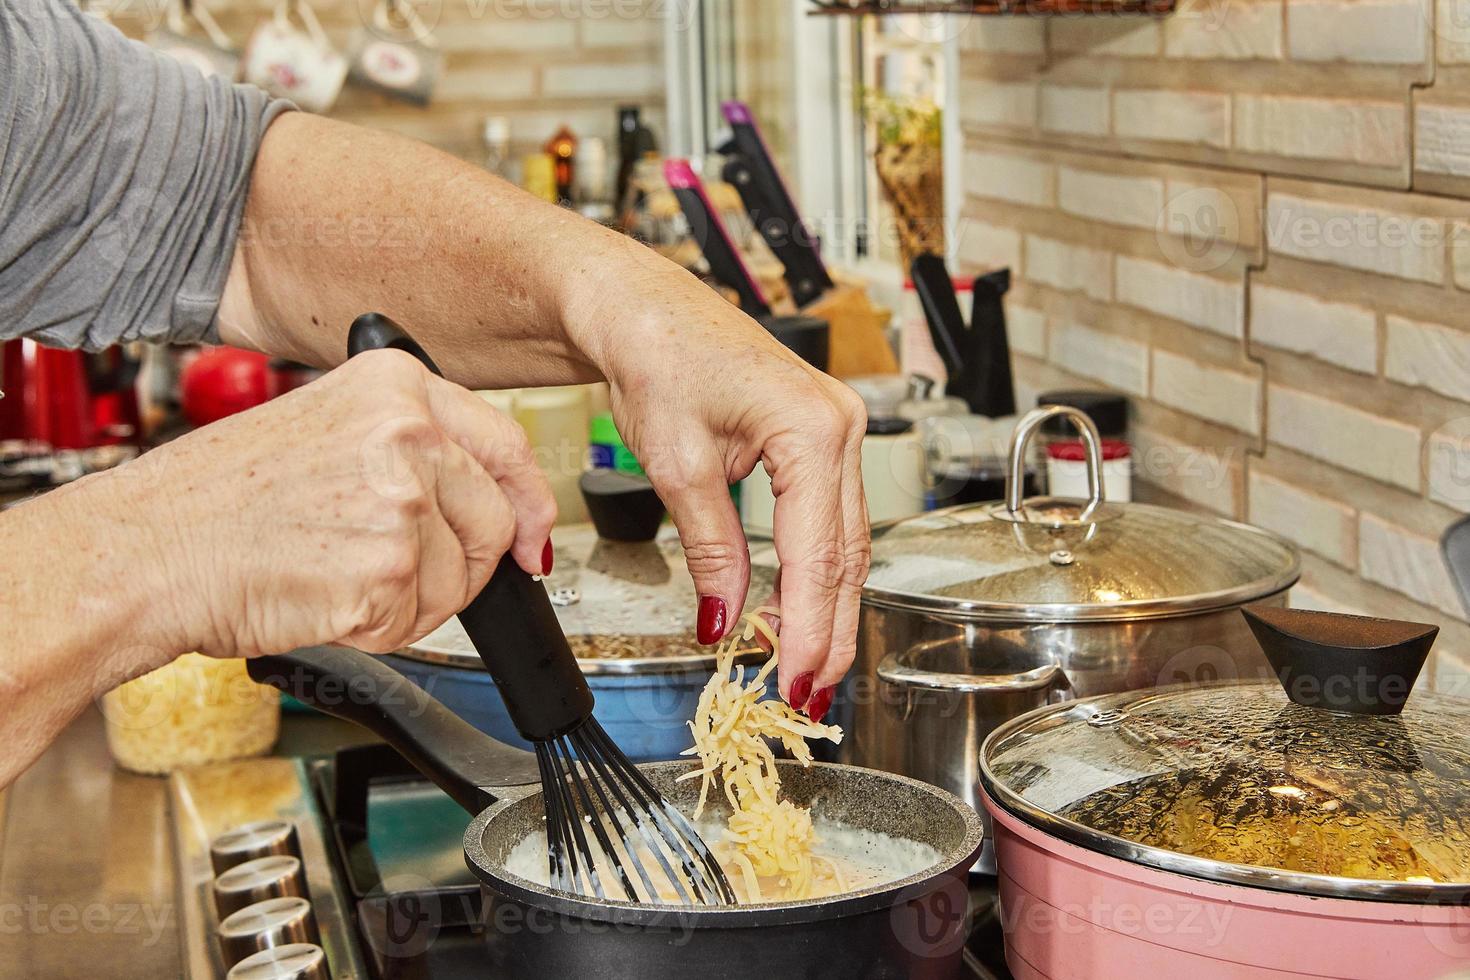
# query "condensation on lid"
(1134, 560)
(616, 601)
(1236, 775)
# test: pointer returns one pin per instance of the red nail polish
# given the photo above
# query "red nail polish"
(801, 690)
(547, 558)
(820, 702)
(712, 615)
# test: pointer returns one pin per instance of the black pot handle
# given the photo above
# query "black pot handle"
(511, 623)
(460, 759)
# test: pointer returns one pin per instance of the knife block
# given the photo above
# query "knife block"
(857, 343)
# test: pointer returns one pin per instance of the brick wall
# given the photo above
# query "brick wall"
(1253, 217)
(540, 63)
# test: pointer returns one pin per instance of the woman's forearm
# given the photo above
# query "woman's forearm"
(84, 605)
(505, 289)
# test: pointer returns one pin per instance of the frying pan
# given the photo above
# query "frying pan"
(914, 927)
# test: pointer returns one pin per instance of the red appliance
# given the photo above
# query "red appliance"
(67, 399)
(221, 381)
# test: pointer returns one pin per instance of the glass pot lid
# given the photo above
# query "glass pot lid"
(1131, 561)
(1236, 782)
(626, 607)
(1058, 560)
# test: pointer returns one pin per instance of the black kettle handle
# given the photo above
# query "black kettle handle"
(460, 759)
(511, 623)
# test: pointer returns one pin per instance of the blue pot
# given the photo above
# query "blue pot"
(646, 712)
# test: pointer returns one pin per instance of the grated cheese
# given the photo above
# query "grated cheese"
(772, 837)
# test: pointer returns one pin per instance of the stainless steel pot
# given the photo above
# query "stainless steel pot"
(975, 614)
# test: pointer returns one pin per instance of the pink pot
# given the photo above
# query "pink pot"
(1074, 914)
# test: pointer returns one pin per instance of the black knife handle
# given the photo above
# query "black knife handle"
(511, 623)
(941, 312)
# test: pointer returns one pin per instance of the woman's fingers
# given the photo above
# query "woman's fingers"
(808, 533)
(772, 601)
(691, 482)
(482, 522)
(501, 449)
(856, 551)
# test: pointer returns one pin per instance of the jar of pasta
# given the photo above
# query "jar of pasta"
(193, 711)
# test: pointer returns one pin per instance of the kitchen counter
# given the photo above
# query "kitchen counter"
(87, 883)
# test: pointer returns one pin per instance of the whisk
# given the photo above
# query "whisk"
(597, 803)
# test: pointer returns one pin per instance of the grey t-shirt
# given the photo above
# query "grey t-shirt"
(122, 180)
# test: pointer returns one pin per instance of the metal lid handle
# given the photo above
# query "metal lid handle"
(1021, 438)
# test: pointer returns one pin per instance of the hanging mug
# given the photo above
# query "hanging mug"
(213, 54)
(399, 59)
(296, 63)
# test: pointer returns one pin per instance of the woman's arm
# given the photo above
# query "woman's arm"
(86, 602)
(507, 290)
(395, 499)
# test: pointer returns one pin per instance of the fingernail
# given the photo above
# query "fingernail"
(712, 613)
(547, 558)
(820, 702)
(801, 689)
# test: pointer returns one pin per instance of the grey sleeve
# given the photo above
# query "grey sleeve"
(122, 181)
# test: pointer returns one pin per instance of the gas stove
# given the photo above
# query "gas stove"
(378, 889)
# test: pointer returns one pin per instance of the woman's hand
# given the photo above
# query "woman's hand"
(365, 508)
(701, 393)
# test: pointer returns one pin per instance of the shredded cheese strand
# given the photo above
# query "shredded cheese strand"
(733, 720)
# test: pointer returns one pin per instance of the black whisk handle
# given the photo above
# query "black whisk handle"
(374, 331)
(514, 629)
(511, 622)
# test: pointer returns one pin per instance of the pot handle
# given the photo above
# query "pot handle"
(1021, 438)
(893, 671)
(351, 685)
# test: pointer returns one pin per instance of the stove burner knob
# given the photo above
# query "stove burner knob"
(254, 881)
(253, 840)
(298, 961)
(273, 922)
